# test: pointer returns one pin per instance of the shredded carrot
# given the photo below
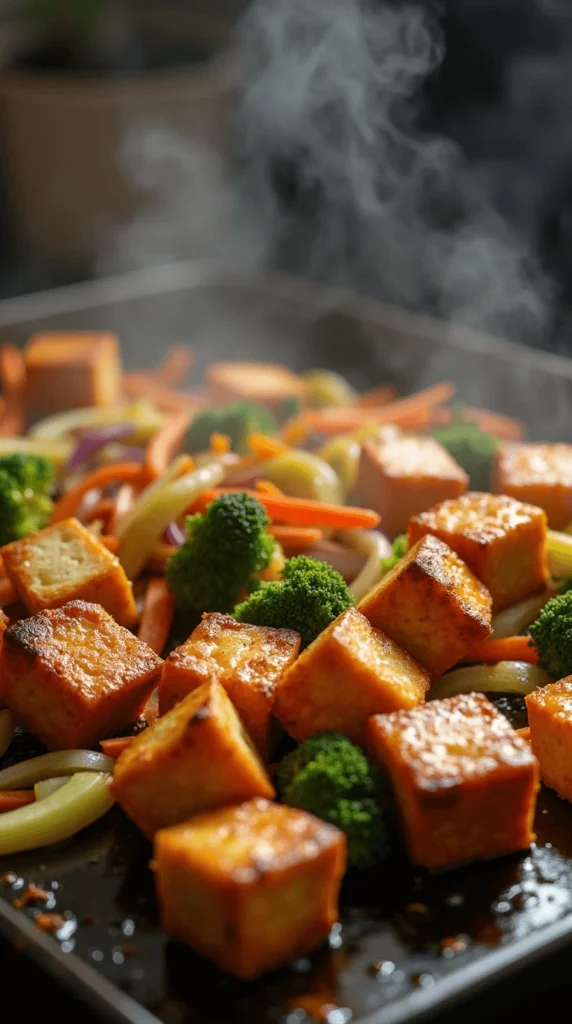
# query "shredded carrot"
(377, 396)
(295, 538)
(157, 616)
(524, 733)
(300, 511)
(267, 487)
(220, 443)
(13, 799)
(102, 510)
(7, 593)
(264, 447)
(413, 411)
(109, 542)
(114, 747)
(175, 366)
(508, 648)
(115, 472)
(13, 381)
(166, 442)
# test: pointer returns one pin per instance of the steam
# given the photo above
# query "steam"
(334, 176)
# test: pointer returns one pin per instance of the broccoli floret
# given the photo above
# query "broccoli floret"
(309, 596)
(472, 448)
(26, 482)
(237, 421)
(224, 550)
(552, 635)
(333, 779)
(398, 550)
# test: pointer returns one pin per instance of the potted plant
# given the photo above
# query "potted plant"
(88, 73)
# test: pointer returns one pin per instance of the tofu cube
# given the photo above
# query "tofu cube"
(540, 474)
(250, 887)
(503, 542)
(65, 562)
(71, 676)
(550, 720)
(431, 605)
(465, 783)
(405, 475)
(247, 660)
(71, 370)
(195, 758)
(269, 384)
(349, 672)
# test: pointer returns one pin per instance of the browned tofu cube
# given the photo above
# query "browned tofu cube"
(465, 783)
(405, 475)
(550, 720)
(70, 370)
(540, 474)
(247, 660)
(195, 758)
(250, 887)
(66, 562)
(270, 384)
(348, 673)
(71, 676)
(502, 541)
(431, 605)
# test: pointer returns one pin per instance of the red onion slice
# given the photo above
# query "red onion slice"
(94, 439)
(174, 535)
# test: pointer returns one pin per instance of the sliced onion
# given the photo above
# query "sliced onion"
(515, 619)
(559, 550)
(82, 800)
(504, 677)
(347, 562)
(94, 439)
(48, 786)
(48, 766)
(374, 546)
(174, 535)
(6, 731)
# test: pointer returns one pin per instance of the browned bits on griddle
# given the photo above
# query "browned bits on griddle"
(50, 923)
(32, 894)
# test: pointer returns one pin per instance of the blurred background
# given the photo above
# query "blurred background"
(415, 151)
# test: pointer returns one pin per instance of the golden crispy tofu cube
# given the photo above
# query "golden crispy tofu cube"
(195, 758)
(348, 673)
(71, 676)
(431, 605)
(71, 370)
(65, 562)
(250, 887)
(465, 783)
(502, 541)
(247, 660)
(270, 384)
(550, 720)
(405, 475)
(540, 474)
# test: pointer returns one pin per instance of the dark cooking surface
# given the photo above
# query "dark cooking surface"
(402, 929)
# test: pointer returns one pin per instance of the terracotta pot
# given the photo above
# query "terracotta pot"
(67, 183)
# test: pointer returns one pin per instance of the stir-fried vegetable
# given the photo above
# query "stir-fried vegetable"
(505, 677)
(398, 550)
(301, 474)
(82, 800)
(513, 620)
(559, 550)
(48, 766)
(552, 635)
(142, 416)
(376, 548)
(26, 484)
(237, 420)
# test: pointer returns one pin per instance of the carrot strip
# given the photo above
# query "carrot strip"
(115, 472)
(109, 542)
(7, 593)
(264, 447)
(175, 366)
(295, 538)
(220, 443)
(102, 510)
(509, 648)
(13, 381)
(116, 746)
(13, 799)
(300, 511)
(267, 487)
(157, 615)
(413, 411)
(166, 442)
(377, 396)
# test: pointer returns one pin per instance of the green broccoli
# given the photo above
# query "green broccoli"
(237, 421)
(224, 550)
(552, 635)
(471, 447)
(309, 596)
(333, 779)
(26, 482)
(398, 550)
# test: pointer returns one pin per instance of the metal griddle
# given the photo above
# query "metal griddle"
(410, 943)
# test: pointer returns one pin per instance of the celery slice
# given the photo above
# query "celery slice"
(82, 800)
